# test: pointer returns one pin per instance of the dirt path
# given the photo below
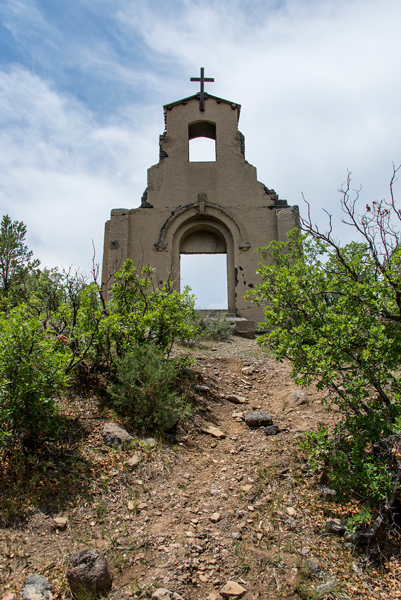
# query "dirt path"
(202, 511)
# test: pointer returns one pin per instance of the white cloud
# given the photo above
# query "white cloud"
(62, 171)
(319, 84)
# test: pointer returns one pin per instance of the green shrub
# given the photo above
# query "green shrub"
(146, 389)
(32, 374)
(16, 262)
(214, 327)
(335, 312)
(142, 312)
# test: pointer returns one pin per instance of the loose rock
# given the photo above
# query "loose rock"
(335, 526)
(258, 418)
(165, 594)
(236, 399)
(134, 460)
(326, 492)
(60, 522)
(88, 572)
(298, 398)
(115, 436)
(202, 388)
(248, 370)
(213, 431)
(245, 328)
(238, 415)
(272, 430)
(149, 442)
(312, 567)
(36, 587)
(324, 588)
(215, 517)
(232, 589)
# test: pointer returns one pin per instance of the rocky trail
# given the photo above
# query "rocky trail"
(223, 510)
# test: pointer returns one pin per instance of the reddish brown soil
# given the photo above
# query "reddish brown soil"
(157, 523)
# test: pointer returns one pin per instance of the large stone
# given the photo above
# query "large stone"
(272, 430)
(232, 589)
(215, 517)
(298, 398)
(258, 418)
(60, 522)
(36, 587)
(213, 431)
(88, 572)
(236, 399)
(245, 328)
(116, 436)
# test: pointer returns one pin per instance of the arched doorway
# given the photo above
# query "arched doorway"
(200, 236)
(203, 266)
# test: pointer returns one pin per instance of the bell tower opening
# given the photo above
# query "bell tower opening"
(202, 141)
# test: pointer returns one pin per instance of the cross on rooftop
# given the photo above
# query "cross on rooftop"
(202, 80)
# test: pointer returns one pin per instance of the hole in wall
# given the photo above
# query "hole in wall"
(206, 275)
(202, 149)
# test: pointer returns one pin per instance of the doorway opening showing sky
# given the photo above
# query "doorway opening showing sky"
(206, 275)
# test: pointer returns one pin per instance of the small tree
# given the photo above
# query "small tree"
(32, 375)
(15, 258)
(142, 312)
(335, 312)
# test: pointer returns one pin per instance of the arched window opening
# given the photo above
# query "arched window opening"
(206, 275)
(202, 141)
(202, 150)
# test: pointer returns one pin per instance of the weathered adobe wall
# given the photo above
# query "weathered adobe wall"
(223, 198)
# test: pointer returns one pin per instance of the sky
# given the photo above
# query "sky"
(83, 84)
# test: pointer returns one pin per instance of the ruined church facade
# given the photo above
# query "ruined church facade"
(216, 207)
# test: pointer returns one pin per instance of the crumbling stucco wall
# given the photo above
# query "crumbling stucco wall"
(200, 207)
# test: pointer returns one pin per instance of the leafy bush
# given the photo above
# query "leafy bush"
(32, 374)
(16, 262)
(214, 327)
(63, 325)
(335, 312)
(146, 389)
(142, 312)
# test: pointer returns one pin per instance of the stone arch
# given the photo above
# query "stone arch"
(209, 209)
(202, 129)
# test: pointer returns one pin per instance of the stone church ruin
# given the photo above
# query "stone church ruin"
(215, 207)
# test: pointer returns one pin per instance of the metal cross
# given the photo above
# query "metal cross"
(202, 80)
